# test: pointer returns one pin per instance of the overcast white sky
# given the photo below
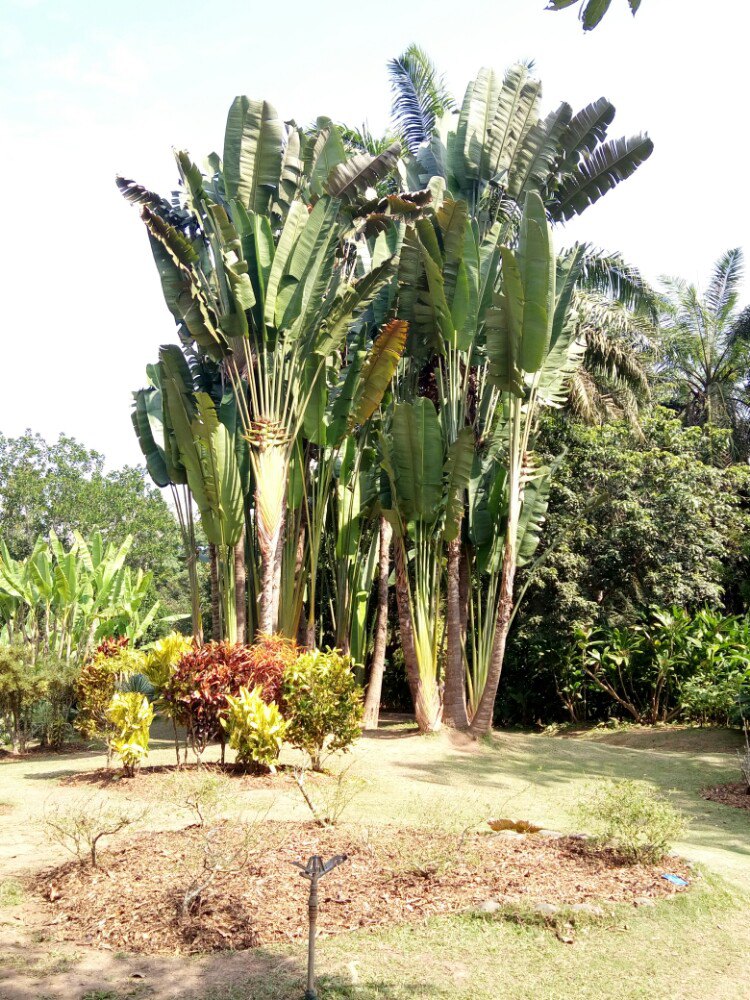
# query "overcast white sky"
(89, 89)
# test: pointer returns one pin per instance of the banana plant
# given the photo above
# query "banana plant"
(532, 351)
(262, 278)
(60, 601)
(498, 149)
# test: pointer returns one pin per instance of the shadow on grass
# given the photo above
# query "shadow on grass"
(257, 974)
(289, 983)
(517, 764)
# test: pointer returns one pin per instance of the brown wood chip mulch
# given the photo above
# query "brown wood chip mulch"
(733, 794)
(395, 876)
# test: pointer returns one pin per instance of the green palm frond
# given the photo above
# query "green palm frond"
(420, 95)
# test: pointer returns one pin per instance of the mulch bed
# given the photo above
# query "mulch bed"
(130, 902)
(148, 782)
(733, 794)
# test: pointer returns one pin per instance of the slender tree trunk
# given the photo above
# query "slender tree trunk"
(240, 584)
(271, 552)
(427, 709)
(482, 721)
(215, 596)
(464, 588)
(454, 694)
(377, 666)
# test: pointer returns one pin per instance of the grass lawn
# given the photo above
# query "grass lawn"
(695, 945)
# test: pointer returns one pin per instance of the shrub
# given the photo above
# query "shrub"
(22, 683)
(131, 716)
(79, 826)
(51, 716)
(256, 729)
(322, 704)
(330, 798)
(220, 846)
(631, 817)
(162, 658)
(198, 688)
(267, 660)
(98, 681)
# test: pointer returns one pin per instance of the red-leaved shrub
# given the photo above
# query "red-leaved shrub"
(204, 677)
(111, 647)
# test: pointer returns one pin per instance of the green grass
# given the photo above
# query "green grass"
(694, 945)
(688, 947)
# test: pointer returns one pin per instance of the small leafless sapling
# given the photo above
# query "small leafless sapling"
(80, 825)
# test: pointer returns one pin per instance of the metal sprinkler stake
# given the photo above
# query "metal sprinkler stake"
(314, 870)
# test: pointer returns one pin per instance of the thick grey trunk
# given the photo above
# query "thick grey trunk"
(377, 666)
(454, 695)
(482, 721)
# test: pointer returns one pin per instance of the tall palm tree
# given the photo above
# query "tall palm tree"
(704, 366)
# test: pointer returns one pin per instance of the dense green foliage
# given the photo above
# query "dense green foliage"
(130, 716)
(322, 703)
(63, 487)
(637, 520)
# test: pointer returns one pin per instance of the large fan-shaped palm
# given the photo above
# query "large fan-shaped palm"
(498, 148)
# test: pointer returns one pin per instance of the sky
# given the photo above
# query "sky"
(90, 89)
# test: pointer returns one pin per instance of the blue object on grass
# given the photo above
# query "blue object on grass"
(675, 879)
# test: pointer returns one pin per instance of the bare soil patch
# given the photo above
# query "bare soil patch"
(735, 793)
(130, 902)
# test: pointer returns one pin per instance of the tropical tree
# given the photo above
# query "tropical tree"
(497, 149)
(703, 370)
(264, 271)
(420, 96)
(473, 422)
(63, 486)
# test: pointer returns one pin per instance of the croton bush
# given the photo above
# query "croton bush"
(262, 694)
(205, 676)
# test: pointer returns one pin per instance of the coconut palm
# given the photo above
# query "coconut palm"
(704, 365)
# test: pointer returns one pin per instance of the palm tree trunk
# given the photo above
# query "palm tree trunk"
(377, 667)
(427, 709)
(455, 675)
(215, 598)
(482, 721)
(271, 551)
(240, 583)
